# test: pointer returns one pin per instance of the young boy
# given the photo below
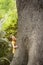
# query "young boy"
(14, 43)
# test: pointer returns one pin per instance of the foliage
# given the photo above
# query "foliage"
(5, 6)
(10, 25)
(2, 34)
(5, 51)
(4, 61)
(10, 17)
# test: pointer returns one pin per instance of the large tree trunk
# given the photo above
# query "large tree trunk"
(30, 33)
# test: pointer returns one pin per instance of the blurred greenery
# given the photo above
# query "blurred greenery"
(9, 14)
(5, 51)
(8, 26)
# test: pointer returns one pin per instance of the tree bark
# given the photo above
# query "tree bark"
(30, 33)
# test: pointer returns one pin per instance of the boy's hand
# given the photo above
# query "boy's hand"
(15, 47)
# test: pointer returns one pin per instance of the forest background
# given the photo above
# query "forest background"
(8, 26)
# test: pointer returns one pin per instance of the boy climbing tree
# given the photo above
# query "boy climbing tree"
(13, 42)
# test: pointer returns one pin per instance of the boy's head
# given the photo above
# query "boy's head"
(13, 38)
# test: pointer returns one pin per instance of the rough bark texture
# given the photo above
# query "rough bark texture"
(30, 33)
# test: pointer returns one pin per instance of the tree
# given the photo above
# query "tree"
(30, 33)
